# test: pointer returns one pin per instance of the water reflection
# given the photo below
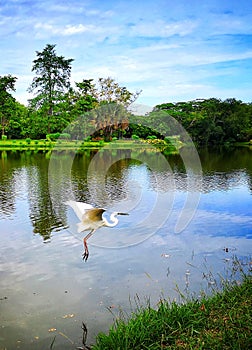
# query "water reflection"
(46, 282)
(22, 171)
(128, 184)
(8, 177)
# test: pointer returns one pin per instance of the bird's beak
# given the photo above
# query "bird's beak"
(122, 213)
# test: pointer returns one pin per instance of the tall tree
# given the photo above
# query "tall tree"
(109, 91)
(85, 96)
(111, 116)
(7, 101)
(51, 81)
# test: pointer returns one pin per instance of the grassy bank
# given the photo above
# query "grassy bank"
(47, 145)
(222, 321)
(28, 144)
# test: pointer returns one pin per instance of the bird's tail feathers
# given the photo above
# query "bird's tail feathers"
(80, 227)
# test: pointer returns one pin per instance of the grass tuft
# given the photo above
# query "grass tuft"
(221, 321)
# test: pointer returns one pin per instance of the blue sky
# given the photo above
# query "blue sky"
(171, 50)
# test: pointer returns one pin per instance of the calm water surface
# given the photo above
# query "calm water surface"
(46, 289)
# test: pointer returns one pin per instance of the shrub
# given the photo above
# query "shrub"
(65, 136)
(53, 137)
(167, 139)
(4, 137)
(135, 137)
(28, 140)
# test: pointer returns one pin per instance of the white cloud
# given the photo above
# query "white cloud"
(67, 30)
(100, 14)
(175, 51)
(231, 24)
(161, 28)
(76, 29)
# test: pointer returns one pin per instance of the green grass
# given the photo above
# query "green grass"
(221, 321)
(28, 144)
(45, 144)
(25, 144)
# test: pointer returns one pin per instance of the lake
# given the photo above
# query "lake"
(183, 229)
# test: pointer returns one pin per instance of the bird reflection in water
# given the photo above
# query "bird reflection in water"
(91, 218)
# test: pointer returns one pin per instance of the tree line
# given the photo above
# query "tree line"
(55, 103)
(213, 121)
(102, 109)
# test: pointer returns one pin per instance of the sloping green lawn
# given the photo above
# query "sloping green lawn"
(222, 321)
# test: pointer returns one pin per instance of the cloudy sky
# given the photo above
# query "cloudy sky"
(171, 50)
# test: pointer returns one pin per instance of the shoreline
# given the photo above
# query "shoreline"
(220, 321)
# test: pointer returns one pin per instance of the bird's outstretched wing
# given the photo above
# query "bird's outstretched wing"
(93, 215)
(79, 207)
(91, 220)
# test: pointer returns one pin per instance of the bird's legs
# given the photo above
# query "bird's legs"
(86, 252)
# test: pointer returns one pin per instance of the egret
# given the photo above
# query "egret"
(91, 219)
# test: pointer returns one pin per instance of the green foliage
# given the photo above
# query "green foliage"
(4, 137)
(65, 136)
(51, 80)
(28, 140)
(109, 91)
(53, 136)
(212, 121)
(222, 321)
(101, 110)
(167, 139)
(135, 137)
(7, 101)
(143, 127)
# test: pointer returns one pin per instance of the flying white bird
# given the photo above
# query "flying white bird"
(91, 219)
